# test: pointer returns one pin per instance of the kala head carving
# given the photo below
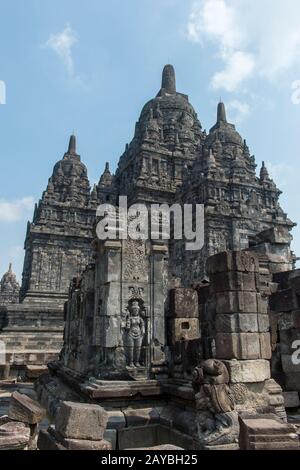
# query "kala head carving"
(217, 421)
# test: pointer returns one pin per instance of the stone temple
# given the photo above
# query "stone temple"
(190, 348)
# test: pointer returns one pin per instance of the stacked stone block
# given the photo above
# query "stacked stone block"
(242, 323)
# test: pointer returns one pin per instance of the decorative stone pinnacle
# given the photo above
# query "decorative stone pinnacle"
(72, 145)
(221, 113)
(168, 82)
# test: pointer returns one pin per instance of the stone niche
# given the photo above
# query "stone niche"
(116, 313)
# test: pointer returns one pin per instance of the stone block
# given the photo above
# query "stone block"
(260, 433)
(81, 421)
(291, 399)
(184, 329)
(233, 281)
(242, 261)
(22, 408)
(238, 346)
(14, 436)
(284, 301)
(237, 323)
(249, 371)
(183, 303)
(33, 371)
(265, 345)
(237, 302)
(263, 323)
(80, 444)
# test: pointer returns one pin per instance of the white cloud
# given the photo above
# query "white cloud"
(250, 40)
(237, 111)
(239, 66)
(281, 173)
(13, 211)
(61, 44)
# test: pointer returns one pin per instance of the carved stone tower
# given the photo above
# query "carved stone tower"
(58, 239)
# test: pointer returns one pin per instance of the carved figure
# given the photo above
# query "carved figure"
(217, 421)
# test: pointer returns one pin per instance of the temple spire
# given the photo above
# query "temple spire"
(72, 145)
(168, 82)
(10, 268)
(221, 113)
(264, 174)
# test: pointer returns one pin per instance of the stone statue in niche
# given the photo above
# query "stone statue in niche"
(217, 420)
(133, 333)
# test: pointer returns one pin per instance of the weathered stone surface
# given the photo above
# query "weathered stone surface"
(291, 399)
(14, 435)
(243, 345)
(235, 302)
(80, 444)
(233, 281)
(248, 371)
(184, 329)
(141, 416)
(245, 262)
(260, 433)
(284, 301)
(33, 371)
(183, 303)
(81, 421)
(237, 323)
(22, 408)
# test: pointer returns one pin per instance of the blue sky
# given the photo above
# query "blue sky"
(90, 66)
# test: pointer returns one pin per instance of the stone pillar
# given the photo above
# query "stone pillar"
(159, 285)
(183, 328)
(107, 323)
(243, 329)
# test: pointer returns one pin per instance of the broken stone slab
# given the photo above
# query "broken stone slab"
(81, 421)
(243, 261)
(14, 436)
(248, 371)
(22, 408)
(291, 399)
